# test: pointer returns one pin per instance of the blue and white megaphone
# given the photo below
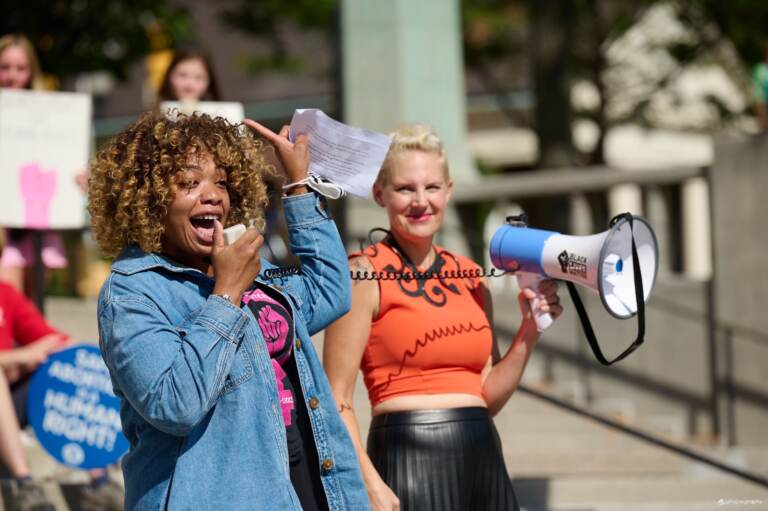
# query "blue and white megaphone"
(602, 262)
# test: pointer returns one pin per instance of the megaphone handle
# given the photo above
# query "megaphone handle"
(531, 280)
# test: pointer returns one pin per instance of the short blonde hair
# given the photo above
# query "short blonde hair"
(133, 177)
(36, 75)
(412, 137)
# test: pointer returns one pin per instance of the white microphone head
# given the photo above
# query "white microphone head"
(616, 276)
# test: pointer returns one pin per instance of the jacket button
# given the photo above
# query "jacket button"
(327, 464)
(298, 344)
(314, 403)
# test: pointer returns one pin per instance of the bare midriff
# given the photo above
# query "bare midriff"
(428, 402)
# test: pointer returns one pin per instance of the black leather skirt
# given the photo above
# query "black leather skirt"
(446, 460)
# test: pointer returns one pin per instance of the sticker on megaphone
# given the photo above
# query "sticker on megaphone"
(601, 262)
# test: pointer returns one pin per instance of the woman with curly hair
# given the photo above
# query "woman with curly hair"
(223, 399)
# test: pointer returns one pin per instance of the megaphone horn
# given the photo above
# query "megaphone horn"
(602, 262)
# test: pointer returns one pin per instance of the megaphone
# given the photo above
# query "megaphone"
(602, 262)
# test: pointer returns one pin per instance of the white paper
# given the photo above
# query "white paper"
(44, 145)
(230, 110)
(348, 156)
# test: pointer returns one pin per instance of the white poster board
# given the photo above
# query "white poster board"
(44, 145)
(230, 110)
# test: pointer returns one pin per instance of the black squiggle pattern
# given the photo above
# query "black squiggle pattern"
(436, 334)
(434, 294)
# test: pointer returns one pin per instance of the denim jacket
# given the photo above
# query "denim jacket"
(199, 401)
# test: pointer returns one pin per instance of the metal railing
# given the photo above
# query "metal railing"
(718, 402)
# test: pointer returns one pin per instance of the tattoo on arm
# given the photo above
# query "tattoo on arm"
(344, 405)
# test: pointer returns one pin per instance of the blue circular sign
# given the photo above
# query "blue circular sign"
(73, 410)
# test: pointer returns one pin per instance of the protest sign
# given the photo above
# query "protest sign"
(44, 145)
(73, 411)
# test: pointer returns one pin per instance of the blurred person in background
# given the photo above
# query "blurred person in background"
(760, 83)
(223, 399)
(189, 77)
(19, 69)
(26, 340)
(427, 350)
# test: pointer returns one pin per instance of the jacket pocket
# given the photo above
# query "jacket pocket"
(241, 369)
(240, 372)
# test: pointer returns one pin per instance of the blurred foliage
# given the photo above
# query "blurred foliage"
(74, 36)
(266, 19)
(732, 34)
(493, 29)
(743, 22)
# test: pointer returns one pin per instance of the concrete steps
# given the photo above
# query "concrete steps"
(559, 461)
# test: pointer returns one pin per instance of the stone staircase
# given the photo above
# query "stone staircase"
(559, 461)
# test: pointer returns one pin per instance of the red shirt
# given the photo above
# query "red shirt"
(20, 321)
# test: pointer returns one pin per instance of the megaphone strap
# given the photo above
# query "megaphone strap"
(639, 294)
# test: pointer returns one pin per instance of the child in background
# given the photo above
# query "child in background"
(189, 78)
(19, 69)
(26, 339)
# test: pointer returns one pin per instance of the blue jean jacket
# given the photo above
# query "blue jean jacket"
(199, 401)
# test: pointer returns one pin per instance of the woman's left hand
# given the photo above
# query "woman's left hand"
(549, 301)
(293, 156)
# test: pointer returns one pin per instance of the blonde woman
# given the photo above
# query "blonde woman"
(427, 350)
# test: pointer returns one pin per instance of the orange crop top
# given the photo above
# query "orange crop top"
(430, 336)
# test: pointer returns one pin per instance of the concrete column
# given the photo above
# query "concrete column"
(697, 248)
(402, 62)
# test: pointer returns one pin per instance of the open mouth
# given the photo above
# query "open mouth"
(203, 226)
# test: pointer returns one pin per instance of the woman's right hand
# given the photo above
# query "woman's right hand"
(235, 266)
(382, 497)
(293, 156)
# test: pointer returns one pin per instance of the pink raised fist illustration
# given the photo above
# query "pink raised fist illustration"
(273, 325)
(38, 187)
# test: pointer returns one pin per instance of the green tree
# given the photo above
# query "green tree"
(74, 36)
(731, 34)
(266, 20)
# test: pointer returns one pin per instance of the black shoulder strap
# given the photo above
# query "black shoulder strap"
(639, 294)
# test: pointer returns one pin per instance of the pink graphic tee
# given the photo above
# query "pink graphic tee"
(276, 324)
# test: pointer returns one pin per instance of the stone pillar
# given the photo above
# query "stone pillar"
(402, 62)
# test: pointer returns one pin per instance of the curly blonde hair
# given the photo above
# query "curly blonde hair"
(412, 137)
(133, 177)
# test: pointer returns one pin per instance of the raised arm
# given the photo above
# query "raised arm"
(345, 342)
(323, 283)
(502, 374)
